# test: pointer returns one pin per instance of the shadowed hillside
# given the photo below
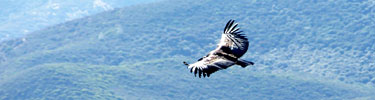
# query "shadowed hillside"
(301, 49)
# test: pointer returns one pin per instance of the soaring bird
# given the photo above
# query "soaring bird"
(231, 47)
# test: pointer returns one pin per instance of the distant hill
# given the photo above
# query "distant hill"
(301, 49)
(19, 17)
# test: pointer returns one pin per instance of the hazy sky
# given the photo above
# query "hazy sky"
(19, 17)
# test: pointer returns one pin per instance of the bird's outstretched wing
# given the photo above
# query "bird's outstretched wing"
(233, 39)
(209, 65)
(231, 47)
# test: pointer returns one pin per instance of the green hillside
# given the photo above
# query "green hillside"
(301, 49)
(164, 80)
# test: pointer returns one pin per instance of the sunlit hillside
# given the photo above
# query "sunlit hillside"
(20, 17)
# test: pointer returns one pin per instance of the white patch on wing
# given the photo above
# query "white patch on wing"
(222, 40)
(199, 64)
(218, 63)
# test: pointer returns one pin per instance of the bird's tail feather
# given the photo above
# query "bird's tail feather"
(244, 63)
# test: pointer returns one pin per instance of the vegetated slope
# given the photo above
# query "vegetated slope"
(331, 39)
(163, 79)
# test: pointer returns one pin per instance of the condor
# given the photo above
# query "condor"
(231, 47)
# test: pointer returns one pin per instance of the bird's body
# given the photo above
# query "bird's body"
(231, 47)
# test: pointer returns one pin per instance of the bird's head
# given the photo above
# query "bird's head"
(186, 63)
